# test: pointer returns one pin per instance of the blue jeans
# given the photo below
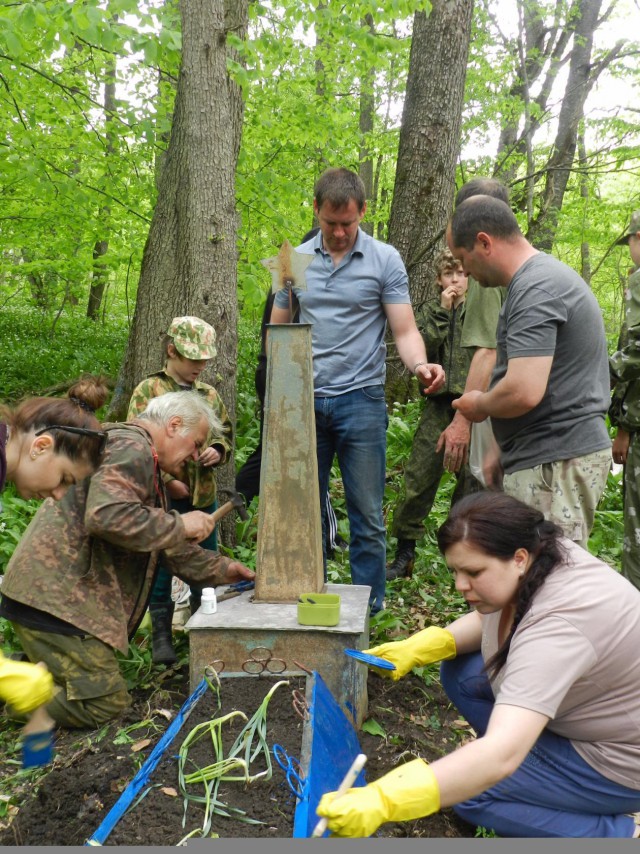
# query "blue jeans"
(554, 793)
(353, 426)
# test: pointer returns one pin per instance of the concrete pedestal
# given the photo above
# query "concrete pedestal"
(240, 625)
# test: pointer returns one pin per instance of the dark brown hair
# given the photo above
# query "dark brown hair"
(338, 186)
(499, 525)
(77, 409)
(482, 213)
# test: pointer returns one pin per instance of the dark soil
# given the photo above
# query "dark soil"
(91, 769)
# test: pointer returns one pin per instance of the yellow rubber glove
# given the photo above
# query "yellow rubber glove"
(410, 791)
(24, 686)
(425, 647)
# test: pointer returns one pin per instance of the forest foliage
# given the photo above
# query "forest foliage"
(78, 168)
(86, 96)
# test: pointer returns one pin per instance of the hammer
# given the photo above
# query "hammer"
(235, 502)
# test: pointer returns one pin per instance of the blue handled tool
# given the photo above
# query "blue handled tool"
(240, 586)
(371, 660)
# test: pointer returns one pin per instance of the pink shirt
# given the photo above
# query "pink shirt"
(574, 658)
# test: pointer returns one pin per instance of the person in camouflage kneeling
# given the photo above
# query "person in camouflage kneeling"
(78, 584)
(440, 322)
(189, 346)
(624, 412)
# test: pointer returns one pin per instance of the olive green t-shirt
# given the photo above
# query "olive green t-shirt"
(482, 309)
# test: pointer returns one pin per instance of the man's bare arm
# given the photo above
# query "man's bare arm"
(518, 392)
(280, 315)
(411, 347)
(456, 437)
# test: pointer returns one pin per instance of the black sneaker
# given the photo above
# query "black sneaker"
(403, 563)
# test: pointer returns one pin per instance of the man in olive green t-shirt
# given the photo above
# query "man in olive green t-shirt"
(483, 307)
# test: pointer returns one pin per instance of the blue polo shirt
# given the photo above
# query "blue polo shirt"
(345, 305)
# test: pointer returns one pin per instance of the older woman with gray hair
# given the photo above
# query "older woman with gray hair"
(77, 585)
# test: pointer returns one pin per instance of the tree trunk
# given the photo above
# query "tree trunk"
(543, 228)
(101, 247)
(189, 264)
(541, 50)
(585, 249)
(367, 112)
(428, 150)
(583, 73)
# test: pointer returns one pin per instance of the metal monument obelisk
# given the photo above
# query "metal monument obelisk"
(289, 552)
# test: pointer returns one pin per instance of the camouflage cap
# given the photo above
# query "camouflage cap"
(193, 338)
(634, 228)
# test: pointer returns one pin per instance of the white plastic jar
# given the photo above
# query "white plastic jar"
(209, 604)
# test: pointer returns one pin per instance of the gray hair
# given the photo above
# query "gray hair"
(190, 406)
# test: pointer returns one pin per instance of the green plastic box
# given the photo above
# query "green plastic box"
(319, 609)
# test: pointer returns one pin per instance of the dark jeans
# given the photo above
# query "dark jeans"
(554, 793)
(353, 426)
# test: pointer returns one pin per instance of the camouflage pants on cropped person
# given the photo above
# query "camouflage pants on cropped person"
(422, 474)
(566, 491)
(631, 541)
(423, 471)
(90, 687)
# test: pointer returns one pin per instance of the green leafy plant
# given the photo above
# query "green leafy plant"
(250, 744)
(373, 728)
(123, 736)
(485, 833)
(16, 515)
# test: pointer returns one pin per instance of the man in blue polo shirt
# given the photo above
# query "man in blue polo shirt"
(355, 285)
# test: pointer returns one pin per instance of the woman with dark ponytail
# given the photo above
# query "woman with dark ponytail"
(49, 443)
(543, 668)
(46, 445)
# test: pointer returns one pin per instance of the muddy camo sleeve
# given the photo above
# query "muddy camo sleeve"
(433, 323)
(141, 396)
(194, 564)
(120, 503)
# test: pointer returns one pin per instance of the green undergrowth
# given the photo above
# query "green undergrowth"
(40, 352)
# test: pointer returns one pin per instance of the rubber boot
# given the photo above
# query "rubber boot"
(162, 651)
(195, 598)
(402, 566)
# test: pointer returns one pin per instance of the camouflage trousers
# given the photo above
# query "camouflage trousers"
(631, 541)
(567, 492)
(423, 471)
(90, 687)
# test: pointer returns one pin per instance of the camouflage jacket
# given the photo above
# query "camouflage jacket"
(201, 480)
(441, 330)
(625, 363)
(90, 559)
